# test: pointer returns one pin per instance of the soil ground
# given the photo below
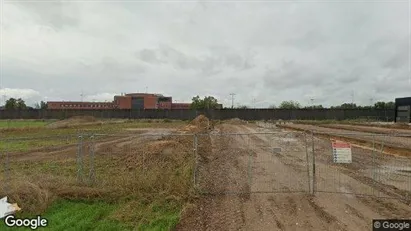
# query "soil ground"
(399, 144)
(250, 184)
(252, 176)
(381, 130)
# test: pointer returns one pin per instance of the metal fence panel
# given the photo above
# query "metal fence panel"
(376, 169)
(218, 162)
(254, 163)
(279, 163)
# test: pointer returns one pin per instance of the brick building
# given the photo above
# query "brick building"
(124, 101)
(180, 106)
(79, 105)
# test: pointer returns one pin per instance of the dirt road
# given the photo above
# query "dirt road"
(401, 144)
(251, 184)
(378, 130)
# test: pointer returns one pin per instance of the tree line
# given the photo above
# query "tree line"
(295, 105)
(20, 104)
(209, 102)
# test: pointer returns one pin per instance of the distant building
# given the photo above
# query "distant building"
(79, 105)
(180, 106)
(403, 110)
(124, 101)
(142, 101)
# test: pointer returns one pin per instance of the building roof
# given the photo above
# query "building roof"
(79, 102)
(403, 101)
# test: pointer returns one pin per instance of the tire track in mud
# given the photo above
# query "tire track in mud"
(230, 214)
(221, 173)
(290, 210)
(355, 212)
(386, 208)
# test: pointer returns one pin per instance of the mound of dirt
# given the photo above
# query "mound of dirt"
(236, 121)
(74, 121)
(200, 121)
(200, 124)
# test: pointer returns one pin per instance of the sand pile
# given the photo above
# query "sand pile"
(74, 121)
(200, 124)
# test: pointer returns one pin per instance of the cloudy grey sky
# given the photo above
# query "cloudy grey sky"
(267, 51)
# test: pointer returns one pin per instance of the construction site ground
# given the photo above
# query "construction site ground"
(277, 197)
(144, 179)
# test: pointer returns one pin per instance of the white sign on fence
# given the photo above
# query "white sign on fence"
(341, 152)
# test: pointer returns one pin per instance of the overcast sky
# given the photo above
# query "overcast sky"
(267, 51)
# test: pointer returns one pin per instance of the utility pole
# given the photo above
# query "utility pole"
(232, 100)
(81, 95)
(352, 97)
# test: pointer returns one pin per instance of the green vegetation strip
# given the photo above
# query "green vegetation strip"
(66, 215)
(22, 123)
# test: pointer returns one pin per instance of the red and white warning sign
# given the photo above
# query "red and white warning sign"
(341, 151)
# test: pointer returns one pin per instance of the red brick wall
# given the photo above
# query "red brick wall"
(122, 102)
(150, 102)
(164, 105)
(180, 106)
(80, 105)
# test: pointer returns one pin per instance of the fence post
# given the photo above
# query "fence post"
(195, 149)
(373, 164)
(7, 180)
(250, 168)
(308, 161)
(80, 159)
(379, 169)
(314, 176)
(92, 174)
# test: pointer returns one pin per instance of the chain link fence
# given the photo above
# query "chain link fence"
(380, 165)
(217, 163)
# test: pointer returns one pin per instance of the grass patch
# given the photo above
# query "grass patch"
(22, 123)
(76, 215)
(139, 183)
(98, 215)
